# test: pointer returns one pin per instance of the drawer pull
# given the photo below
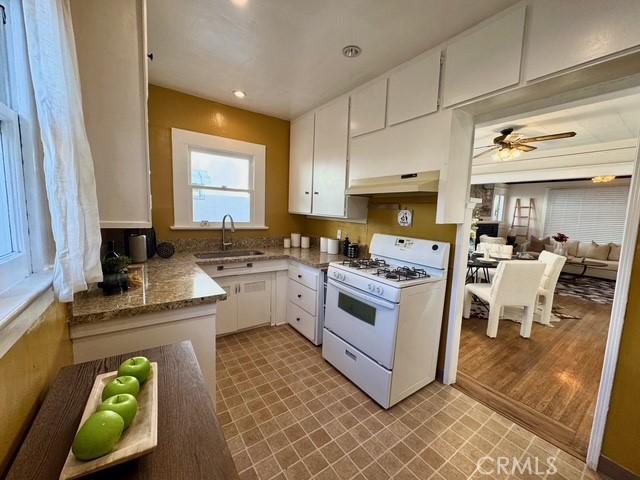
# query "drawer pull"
(297, 319)
(350, 355)
(299, 276)
(299, 295)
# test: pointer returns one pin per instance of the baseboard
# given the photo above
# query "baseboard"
(615, 471)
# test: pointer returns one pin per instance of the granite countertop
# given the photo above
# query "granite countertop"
(177, 282)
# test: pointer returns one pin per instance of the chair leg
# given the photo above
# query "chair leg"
(546, 310)
(468, 298)
(527, 321)
(494, 318)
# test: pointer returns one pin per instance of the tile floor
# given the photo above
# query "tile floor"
(287, 414)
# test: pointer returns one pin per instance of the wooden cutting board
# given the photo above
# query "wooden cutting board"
(139, 439)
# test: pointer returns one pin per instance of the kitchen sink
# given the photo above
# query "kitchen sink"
(229, 254)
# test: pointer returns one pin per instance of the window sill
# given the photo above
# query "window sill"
(218, 227)
(21, 306)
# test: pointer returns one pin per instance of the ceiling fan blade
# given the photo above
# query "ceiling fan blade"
(486, 151)
(484, 146)
(524, 148)
(543, 138)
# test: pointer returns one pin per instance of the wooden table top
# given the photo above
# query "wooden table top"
(190, 440)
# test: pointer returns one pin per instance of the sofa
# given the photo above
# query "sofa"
(578, 251)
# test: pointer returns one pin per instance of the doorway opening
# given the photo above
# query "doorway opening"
(562, 204)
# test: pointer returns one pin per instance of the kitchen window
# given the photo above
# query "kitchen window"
(15, 258)
(214, 176)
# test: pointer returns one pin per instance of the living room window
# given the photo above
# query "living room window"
(588, 214)
(214, 176)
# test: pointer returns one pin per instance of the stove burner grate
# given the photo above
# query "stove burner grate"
(364, 263)
(400, 274)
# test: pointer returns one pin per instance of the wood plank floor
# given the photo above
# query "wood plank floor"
(554, 375)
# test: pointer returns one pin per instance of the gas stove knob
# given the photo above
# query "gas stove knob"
(344, 277)
(379, 290)
(371, 287)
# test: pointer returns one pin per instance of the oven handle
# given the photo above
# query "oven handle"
(362, 296)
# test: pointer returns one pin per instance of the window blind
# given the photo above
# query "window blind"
(586, 214)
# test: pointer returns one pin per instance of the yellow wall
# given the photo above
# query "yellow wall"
(622, 434)
(170, 109)
(25, 373)
(384, 220)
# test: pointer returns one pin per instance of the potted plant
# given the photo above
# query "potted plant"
(115, 279)
(561, 240)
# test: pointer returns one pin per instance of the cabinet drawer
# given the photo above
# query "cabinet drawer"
(302, 321)
(302, 296)
(305, 276)
(372, 378)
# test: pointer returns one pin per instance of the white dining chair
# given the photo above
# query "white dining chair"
(495, 249)
(553, 267)
(516, 284)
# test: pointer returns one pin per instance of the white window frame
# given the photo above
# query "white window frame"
(185, 141)
(15, 266)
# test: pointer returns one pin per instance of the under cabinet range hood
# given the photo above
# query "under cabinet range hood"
(408, 183)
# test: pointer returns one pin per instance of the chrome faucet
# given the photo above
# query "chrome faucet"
(226, 244)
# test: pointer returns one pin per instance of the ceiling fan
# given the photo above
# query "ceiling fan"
(509, 144)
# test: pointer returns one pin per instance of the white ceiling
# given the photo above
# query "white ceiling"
(286, 54)
(613, 120)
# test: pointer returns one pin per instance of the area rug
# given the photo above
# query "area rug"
(595, 290)
(478, 310)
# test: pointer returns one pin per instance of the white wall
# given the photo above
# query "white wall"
(538, 191)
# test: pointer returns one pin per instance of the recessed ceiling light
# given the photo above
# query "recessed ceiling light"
(240, 3)
(239, 93)
(351, 51)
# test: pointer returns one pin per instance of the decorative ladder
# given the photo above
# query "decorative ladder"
(519, 217)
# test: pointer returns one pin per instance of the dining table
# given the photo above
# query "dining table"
(478, 266)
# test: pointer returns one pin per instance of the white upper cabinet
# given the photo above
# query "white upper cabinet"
(419, 145)
(330, 158)
(413, 88)
(301, 164)
(564, 34)
(368, 108)
(486, 60)
(112, 61)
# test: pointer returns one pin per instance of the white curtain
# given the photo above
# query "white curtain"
(68, 166)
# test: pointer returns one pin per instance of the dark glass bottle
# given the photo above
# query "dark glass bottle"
(111, 250)
(345, 246)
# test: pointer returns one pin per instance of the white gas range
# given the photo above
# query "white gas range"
(383, 316)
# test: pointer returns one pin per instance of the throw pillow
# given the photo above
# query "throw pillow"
(598, 252)
(538, 245)
(614, 254)
(572, 247)
(583, 249)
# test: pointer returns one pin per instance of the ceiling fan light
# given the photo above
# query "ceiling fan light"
(603, 178)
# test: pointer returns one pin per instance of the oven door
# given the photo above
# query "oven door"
(366, 322)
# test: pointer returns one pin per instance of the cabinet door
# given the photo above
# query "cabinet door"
(368, 108)
(226, 313)
(301, 164)
(254, 300)
(112, 61)
(421, 143)
(330, 158)
(565, 34)
(413, 89)
(485, 60)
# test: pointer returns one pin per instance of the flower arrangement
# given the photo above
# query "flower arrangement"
(560, 237)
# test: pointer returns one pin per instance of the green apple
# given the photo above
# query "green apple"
(138, 367)
(122, 384)
(98, 435)
(124, 405)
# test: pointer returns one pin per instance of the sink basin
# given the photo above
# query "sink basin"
(229, 254)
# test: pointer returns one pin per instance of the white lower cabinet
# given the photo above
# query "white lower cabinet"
(248, 302)
(305, 305)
